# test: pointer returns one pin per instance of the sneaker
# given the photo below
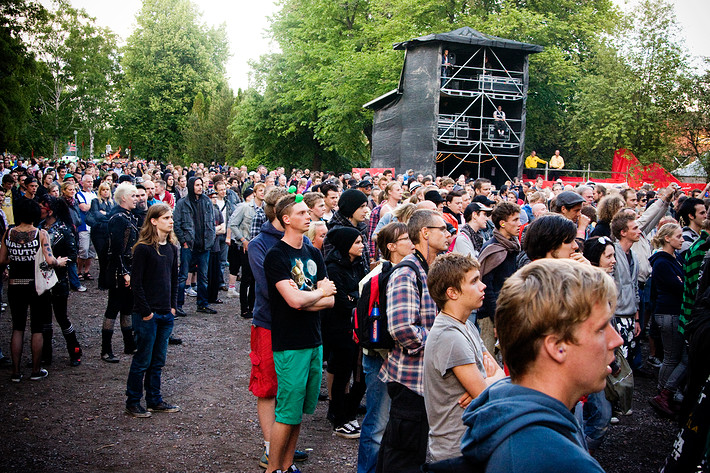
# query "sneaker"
(248, 315)
(614, 420)
(347, 432)
(174, 340)
(75, 358)
(300, 456)
(16, 378)
(81, 288)
(264, 460)
(164, 407)
(653, 361)
(232, 293)
(191, 292)
(180, 313)
(354, 424)
(293, 469)
(137, 411)
(110, 358)
(206, 310)
(42, 373)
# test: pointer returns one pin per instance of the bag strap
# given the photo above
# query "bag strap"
(413, 266)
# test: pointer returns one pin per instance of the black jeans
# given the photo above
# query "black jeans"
(247, 286)
(342, 363)
(404, 443)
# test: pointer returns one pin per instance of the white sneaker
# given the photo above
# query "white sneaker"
(232, 292)
(354, 424)
(191, 292)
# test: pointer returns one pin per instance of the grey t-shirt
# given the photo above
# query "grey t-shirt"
(449, 344)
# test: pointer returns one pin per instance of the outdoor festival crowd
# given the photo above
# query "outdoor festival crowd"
(484, 329)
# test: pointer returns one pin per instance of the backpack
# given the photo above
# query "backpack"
(370, 314)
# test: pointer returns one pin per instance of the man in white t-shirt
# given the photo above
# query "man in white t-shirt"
(86, 249)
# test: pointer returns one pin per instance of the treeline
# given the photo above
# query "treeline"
(605, 80)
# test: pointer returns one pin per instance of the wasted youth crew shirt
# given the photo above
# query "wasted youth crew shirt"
(293, 329)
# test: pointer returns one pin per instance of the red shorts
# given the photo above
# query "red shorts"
(262, 382)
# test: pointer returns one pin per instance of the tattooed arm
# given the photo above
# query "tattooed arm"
(47, 250)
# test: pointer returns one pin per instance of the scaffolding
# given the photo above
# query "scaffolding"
(474, 89)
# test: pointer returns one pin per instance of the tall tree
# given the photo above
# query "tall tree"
(17, 67)
(168, 60)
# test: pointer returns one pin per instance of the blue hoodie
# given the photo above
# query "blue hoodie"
(517, 429)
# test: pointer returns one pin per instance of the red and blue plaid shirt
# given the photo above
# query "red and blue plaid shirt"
(409, 319)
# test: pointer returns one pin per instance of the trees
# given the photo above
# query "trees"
(17, 67)
(168, 60)
(337, 56)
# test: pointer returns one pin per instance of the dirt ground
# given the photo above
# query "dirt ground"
(73, 421)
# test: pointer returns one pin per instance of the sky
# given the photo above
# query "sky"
(247, 21)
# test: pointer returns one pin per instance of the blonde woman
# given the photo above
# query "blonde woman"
(667, 284)
(97, 219)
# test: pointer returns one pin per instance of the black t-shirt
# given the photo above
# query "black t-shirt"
(293, 329)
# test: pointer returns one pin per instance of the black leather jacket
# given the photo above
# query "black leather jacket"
(123, 234)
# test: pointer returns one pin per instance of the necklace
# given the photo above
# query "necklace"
(453, 317)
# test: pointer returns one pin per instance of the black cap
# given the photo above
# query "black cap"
(568, 199)
(434, 196)
(364, 183)
(482, 199)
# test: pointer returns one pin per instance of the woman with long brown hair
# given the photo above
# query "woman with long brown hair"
(154, 280)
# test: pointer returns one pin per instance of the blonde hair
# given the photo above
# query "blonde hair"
(311, 233)
(667, 230)
(547, 297)
(122, 191)
(103, 186)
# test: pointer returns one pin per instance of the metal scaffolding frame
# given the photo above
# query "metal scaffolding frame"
(467, 134)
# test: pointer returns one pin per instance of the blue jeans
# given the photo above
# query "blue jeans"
(597, 414)
(73, 275)
(201, 259)
(378, 408)
(675, 353)
(149, 359)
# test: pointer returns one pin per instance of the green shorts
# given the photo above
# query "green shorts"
(299, 374)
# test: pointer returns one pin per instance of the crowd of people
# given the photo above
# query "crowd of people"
(478, 325)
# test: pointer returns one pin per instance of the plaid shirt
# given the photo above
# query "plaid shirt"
(409, 319)
(691, 270)
(256, 222)
(374, 220)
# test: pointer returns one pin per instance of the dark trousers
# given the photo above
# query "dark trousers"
(404, 444)
(214, 277)
(247, 286)
(120, 299)
(342, 362)
(101, 246)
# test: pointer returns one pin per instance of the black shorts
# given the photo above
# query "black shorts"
(22, 296)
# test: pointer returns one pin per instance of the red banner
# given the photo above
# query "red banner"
(373, 171)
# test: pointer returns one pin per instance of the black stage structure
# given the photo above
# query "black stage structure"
(440, 118)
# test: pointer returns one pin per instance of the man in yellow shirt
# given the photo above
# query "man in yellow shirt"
(533, 160)
(556, 162)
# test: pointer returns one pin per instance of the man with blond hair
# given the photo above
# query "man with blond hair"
(554, 325)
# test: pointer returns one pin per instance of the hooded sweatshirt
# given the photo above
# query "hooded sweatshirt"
(516, 429)
(194, 220)
(666, 283)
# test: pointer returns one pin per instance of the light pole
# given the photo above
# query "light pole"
(76, 148)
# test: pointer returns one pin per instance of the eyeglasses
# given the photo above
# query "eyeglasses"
(402, 238)
(442, 228)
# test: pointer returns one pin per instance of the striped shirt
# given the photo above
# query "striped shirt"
(691, 270)
(409, 318)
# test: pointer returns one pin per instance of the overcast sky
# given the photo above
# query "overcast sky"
(247, 19)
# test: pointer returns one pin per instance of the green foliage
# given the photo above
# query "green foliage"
(168, 60)
(337, 56)
(17, 67)
(205, 133)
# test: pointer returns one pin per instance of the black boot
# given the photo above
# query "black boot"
(129, 342)
(47, 334)
(73, 347)
(106, 349)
